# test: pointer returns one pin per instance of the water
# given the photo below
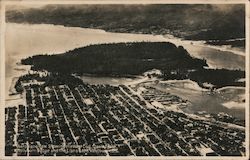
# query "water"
(202, 100)
(23, 40)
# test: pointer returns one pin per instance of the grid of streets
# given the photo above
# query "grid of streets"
(104, 120)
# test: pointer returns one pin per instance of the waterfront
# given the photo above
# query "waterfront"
(40, 39)
(103, 120)
(205, 100)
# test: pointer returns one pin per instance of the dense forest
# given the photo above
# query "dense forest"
(196, 22)
(117, 59)
(234, 43)
(217, 77)
(125, 59)
(51, 79)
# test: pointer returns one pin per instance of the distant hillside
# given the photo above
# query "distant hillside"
(197, 22)
(126, 59)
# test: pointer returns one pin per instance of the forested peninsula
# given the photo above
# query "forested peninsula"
(135, 58)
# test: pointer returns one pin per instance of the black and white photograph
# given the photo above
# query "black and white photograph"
(126, 79)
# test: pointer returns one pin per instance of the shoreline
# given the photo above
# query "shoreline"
(12, 90)
(177, 86)
(165, 37)
(221, 48)
(230, 87)
(121, 37)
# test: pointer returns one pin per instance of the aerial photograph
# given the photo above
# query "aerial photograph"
(125, 80)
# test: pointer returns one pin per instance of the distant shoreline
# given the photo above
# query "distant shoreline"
(167, 37)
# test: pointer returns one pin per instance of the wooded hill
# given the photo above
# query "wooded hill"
(126, 59)
(190, 21)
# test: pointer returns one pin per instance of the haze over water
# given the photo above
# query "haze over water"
(24, 40)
